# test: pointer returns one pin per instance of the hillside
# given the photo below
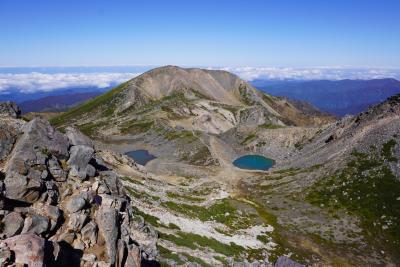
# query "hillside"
(175, 105)
(55, 103)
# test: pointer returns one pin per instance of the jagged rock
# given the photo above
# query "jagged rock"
(67, 237)
(89, 258)
(36, 224)
(77, 221)
(121, 253)
(90, 170)
(146, 237)
(284, 261)
(46, 202)
(52, 212)
(26, 168)
(134, 258)
(79, 161)
(56, 170)
(13, 224)
(75, 203)
(28, 249)
(112, 201)
(5, 256)
(112, 182)
(9, 131)
(89, 233)
(51, 192)
(9, 109)
(106, 219)
(76, 138)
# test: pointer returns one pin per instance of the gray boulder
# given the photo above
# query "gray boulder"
(75, 203)
(9, 109)
(79, 161)
(89, 233)
(134, 258)
(27, 168)
(112, 182)
(5, 256)
(77, 221)
(284, 261)
(9, 131)
(106, 219)
(36, 224)
(53, 213)
(28, 249)
(56, 170)
(13, 224)
(76, 138)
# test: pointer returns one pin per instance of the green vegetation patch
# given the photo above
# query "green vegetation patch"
(230, 108)
(104, 100)
(366, 187)
(197, 260)
(174, 195)
(88, 128)
(168, 254)
(200, 156)
(194, 241)
(136, 127)
(249, 138)
(387, 151)
(223, 211)
(188, 136)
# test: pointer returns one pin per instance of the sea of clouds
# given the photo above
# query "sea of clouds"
(37, 81)
(321, 73)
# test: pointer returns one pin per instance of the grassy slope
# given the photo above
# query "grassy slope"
(367, 188)
(104, 100)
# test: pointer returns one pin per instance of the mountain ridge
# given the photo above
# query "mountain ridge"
(339, 97)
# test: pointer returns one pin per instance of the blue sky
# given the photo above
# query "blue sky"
(300, 33)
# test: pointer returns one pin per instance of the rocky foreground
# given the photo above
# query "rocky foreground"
(61, 205)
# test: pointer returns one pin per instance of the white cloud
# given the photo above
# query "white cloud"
(35, 81)
(321, 73)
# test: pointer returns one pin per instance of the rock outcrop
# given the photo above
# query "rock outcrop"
(59, 205)
(9, 109)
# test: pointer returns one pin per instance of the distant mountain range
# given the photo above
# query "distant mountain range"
(337, 97)
(56, 102)
(18, 96)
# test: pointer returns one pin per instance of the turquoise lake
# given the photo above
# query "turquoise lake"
(254, 162)
(141, 156)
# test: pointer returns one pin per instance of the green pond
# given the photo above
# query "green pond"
(141, 156)
(254, 162)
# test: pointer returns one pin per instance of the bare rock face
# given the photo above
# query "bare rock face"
(286, 262)
(106, 219)
(9, 109)
(26, 172)
(9, 131)
(28, 249)
(13, 223)
(58, 209)
(79, 161)
(76, 138)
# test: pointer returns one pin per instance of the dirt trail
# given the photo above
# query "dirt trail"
(228, 173)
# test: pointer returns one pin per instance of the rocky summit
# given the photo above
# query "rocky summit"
(71, 195)
(61, 204)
